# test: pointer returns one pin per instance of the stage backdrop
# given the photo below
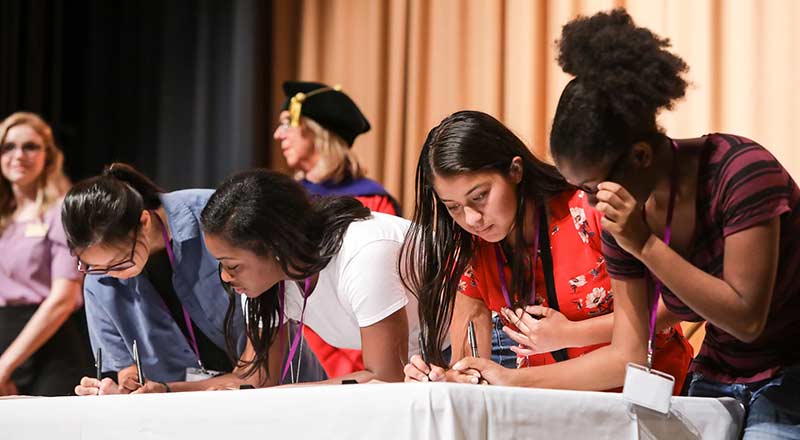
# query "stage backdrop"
(410, 63)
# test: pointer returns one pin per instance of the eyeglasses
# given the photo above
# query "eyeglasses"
(27, 148)
(123, 265)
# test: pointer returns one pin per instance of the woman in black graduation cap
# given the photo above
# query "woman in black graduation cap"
(318, 125)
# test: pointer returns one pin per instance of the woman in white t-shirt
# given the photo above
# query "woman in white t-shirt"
(276, 246)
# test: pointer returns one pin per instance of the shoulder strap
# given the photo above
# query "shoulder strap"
(547, 268)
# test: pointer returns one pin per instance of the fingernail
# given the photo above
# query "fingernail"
(473, 380)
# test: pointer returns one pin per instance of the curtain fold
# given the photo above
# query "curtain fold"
(410, 63)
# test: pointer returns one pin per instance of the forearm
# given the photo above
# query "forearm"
(44, 323)
(590, 331)
(710, 297)
(602, 369)
(468, 309)
(664, 318)
(232, 380)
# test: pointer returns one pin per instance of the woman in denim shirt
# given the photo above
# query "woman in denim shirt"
(149, 277)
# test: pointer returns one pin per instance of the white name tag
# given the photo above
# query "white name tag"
(650, 389)
(194, 374)
(36, 230)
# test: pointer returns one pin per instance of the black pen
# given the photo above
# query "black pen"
(138, 360)
(99, 364)
(473, 342)
(422, 351)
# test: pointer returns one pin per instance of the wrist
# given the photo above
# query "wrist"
(166, 387)
(571, 335)
(647, 247)
(5, 372)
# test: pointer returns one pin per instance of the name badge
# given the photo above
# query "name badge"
(194, 374)
(36, 230)
(651, 389)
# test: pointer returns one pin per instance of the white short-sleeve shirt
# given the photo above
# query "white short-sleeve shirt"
(360, 286)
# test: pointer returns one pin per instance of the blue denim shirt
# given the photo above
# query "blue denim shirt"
(119, 311)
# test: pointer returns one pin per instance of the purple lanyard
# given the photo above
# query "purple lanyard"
(299, 334)
(500, 269)
(192, 338)
(673, 191)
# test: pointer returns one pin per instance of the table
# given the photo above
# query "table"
(371, 411)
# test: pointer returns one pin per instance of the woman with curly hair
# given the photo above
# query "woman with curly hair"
(42, 349)
(712, 224)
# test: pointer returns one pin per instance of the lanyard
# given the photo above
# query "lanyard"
(673, 191)
(298, 336)
(192, 338)
(500, 270)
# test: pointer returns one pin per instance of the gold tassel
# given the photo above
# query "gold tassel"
(296, 103)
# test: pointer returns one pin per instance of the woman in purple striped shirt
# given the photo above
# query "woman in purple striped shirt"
(716, 219)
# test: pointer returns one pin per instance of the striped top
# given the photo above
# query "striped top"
(740, 184)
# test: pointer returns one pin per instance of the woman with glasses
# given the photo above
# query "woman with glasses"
(712, 224)
(318, 126)
(497, 230)
(150, 279)
(328, 263)
(42, 348)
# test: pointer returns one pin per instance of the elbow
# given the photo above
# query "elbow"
(750, 330)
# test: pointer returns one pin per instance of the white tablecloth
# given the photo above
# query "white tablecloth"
(375, 411)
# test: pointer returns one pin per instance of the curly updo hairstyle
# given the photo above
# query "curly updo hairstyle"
(624, 75)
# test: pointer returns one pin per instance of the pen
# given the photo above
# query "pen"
(138, 360)
(422, 351)
(473, 343)
(99, 363)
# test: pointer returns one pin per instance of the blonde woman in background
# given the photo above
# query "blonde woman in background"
(42, 350)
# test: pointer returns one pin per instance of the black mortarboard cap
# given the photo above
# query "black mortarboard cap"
(328, 106)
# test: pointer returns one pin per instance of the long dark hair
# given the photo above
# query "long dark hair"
(623, 77)
(437, 251)
(271, 215)
(106, 208)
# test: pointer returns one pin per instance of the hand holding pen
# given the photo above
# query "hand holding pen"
(488, 371)
(419, 369)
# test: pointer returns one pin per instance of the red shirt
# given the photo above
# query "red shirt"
(583, 287)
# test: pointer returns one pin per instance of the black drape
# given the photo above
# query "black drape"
(178, 89)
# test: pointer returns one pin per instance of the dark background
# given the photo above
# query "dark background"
(177, 88)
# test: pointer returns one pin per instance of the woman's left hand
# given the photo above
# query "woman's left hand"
(491, 372)
(622, 217)
(550, 332)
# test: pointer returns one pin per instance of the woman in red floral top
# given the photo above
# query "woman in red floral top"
(494, 191)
